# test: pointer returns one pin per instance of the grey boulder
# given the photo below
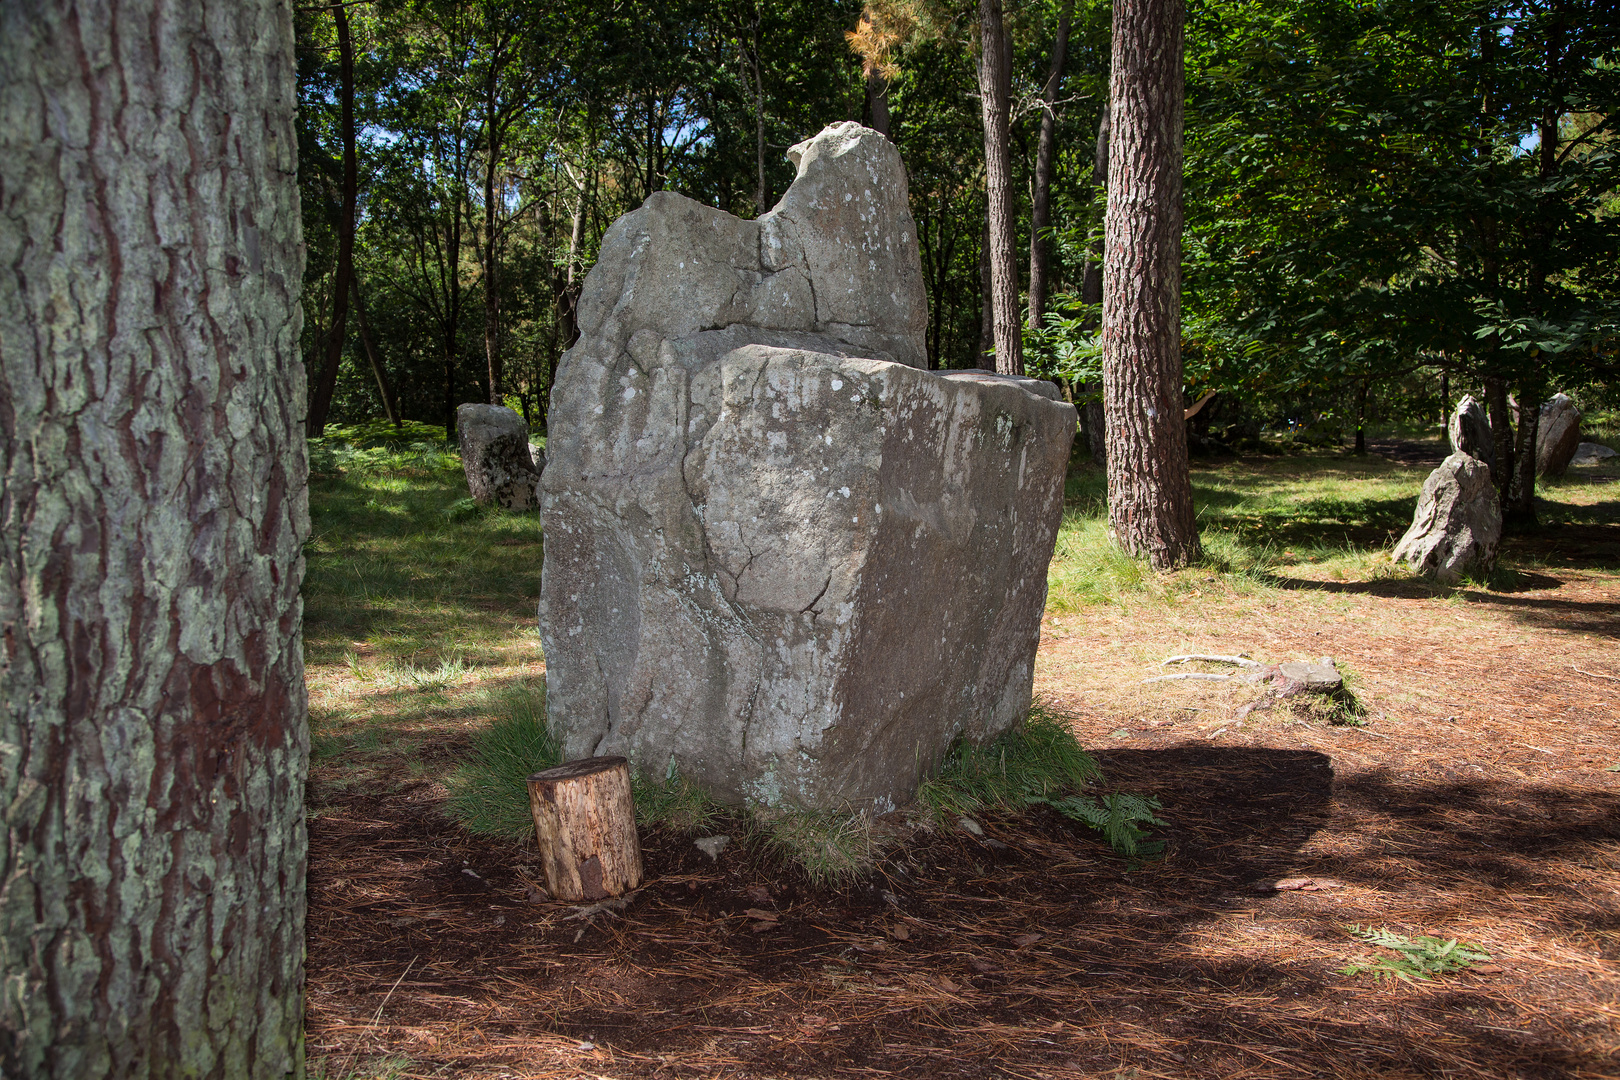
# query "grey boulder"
(1558, 436)
(1457, 525)
(1470, 430)
(1591, 453)
(781, 558)
(495, 453)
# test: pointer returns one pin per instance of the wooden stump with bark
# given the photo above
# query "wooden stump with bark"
(585, 820)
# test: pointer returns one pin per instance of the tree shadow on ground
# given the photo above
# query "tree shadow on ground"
(1029, 949)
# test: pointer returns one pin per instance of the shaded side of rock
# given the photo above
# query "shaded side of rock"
(1470, 430)
(1559, 435)
(1457, 525)
(495, 453)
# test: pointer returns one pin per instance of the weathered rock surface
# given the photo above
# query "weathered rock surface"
(1458, 522)
(1470, 430)
(1591, 453)
(779, 555)
(495, 452)
(1559, 435)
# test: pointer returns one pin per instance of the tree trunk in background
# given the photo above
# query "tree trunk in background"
(1150, 504)
(1045, 160)
(1361, 418)
(1091, 294)
(1520, 506)
(987, 316)
(995, 92)
(384, 387)
(1496, 403)
(762, 194)
(877, 103)
(153, 474)
(321, 401)
(493, 134)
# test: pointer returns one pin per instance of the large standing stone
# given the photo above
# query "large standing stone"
(495, 452)
(1470, 430)
(1558, 436)
(779, 554)
(1458, 522)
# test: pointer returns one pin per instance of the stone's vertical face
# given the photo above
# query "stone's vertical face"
(495, 453)
(778, 552)
(1470, 430)
(1458, 522)
(1558, 436)
(153, 508)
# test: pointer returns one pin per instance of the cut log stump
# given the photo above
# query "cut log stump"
(585, 820)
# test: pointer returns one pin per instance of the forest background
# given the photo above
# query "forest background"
(1388, 202)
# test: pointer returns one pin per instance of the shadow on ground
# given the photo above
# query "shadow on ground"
(1030, 951)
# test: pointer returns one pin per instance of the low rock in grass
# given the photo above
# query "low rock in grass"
(1458, 523)
(495, 451)
(1558, 436)
(1591, 453)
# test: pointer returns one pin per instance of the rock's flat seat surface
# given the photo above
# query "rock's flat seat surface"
(780, 555)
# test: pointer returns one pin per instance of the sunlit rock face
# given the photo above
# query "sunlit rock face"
(496, 454)
(781, 557)
(1457, 525)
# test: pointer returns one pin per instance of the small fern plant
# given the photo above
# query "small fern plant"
(1119, 817)
(1415, 958)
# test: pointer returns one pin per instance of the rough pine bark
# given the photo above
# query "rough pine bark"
(1149, 495)
(995, 93)
(152, 508)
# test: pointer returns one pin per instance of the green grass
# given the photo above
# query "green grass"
(489, 791)
(1265, 522)
(1038, 759)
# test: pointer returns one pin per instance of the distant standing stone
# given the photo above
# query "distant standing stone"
(1470, 430)
(495, 453)
(1458, 522)
(1558, 437)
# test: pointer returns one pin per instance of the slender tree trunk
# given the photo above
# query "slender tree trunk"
(762, 195)
(321, 402)
(1091, 294)
(1496, 403)
(1149, 493)
(1520, 506)
(492, 262)
(987, 313)
(1040, 219)
(1361, 418)
(995, 92)
(877, 103)
(153, 737)
(384, 387)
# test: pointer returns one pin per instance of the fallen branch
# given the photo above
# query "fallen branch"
(1593, 674)
(1210, 658)
(1201, 676)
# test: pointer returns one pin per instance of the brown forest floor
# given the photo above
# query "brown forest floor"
(1478, 803)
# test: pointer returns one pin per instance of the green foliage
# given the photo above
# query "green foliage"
(1119, 817)
(1036, 759)
(489, 792)
(1414, 958)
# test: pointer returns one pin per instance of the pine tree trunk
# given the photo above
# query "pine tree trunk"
(995, 92)
(877, 103)
(1496, 402)
(153, 736)
(337, 333)
(1091, 293)
(1520, 505)
(1149, 494)
(1040, 218)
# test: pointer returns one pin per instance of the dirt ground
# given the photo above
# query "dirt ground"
(1479, 801)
